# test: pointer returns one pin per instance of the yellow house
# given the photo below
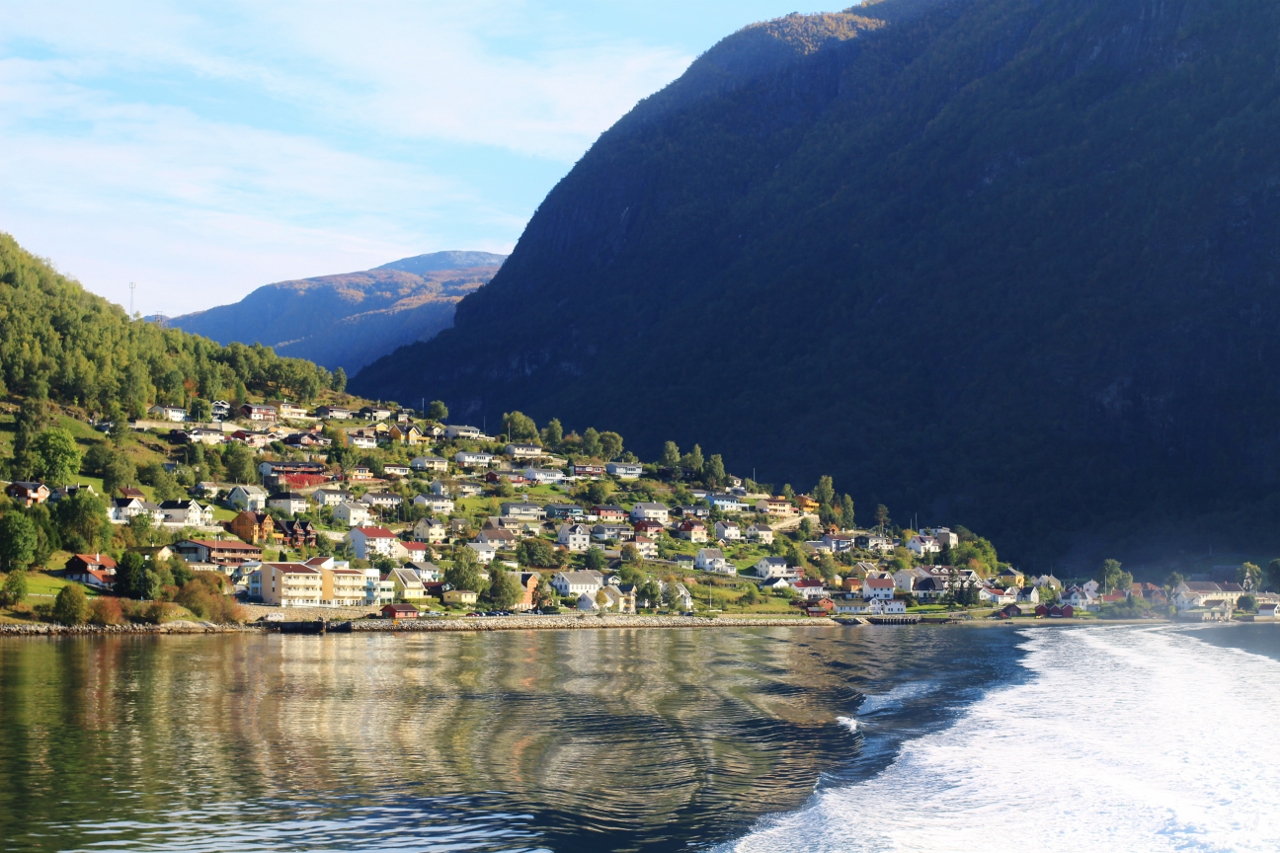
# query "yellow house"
(460, 596)
(342, 587)
(407, 584)
(407, 434)
(290, 585)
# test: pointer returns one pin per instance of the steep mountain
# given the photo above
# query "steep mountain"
(350, 320)
(1008, 262)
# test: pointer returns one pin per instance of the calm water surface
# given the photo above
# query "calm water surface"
(647, 740)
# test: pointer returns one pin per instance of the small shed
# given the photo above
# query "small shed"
(399, 611)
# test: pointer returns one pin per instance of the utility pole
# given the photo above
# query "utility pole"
(133, 286)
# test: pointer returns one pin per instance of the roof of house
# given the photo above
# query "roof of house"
(97, 560)
(879, 583)
(294, 568)
(376, 532)
(711, 553)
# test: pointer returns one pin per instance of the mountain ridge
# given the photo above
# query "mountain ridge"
(350, 319)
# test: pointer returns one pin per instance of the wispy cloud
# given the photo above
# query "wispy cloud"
(208, 149)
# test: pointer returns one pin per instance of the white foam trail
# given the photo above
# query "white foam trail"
(1126, 738)
(848, 722)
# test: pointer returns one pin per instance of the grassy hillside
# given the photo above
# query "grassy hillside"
(1006, 261)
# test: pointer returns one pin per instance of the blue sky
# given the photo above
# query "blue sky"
(204, 149)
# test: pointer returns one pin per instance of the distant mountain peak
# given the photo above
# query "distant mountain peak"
(437, 261)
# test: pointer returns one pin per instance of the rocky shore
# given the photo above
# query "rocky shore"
(44, 629)
(575, 621)
(562, 622)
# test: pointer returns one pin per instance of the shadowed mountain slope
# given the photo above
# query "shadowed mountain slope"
(1007, 262)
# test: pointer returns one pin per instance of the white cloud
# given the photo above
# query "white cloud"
(203, 151)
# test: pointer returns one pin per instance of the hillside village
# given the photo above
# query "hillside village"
(385, 511)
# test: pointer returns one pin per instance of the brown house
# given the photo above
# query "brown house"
(253, 527)
(296, 534)
(28, 493)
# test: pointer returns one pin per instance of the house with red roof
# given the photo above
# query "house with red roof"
(372, 542)
(95, 570)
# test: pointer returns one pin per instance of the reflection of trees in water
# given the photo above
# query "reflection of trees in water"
(609, 729)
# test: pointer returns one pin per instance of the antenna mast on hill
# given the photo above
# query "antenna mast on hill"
(133, 286)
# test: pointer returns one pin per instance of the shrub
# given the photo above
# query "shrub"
(14, 590)
(71, 607)
(106, 611)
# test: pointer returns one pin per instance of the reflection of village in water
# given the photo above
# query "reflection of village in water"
(604, 729)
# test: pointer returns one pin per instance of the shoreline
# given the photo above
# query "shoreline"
(558, 622)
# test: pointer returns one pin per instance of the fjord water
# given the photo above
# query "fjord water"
(753, 740)
(531, 740)
(1123, 738)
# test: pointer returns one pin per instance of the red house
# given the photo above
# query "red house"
(399, 611)
(28, 493)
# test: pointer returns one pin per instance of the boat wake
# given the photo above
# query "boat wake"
(1123, 738)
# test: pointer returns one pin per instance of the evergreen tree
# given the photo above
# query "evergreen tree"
(846, 511)
(339, 380)
(824, 493)
(693, 459)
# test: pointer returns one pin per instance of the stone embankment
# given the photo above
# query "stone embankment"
(574, 621)
(36, 629)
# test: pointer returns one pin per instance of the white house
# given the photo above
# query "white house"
(291, 503)
(646, 547)
(371, 542)
(577, 583)
(943, 535)
(187, 513)
(713, 560)
(810, 590)
(881, 588)
(351, 514)
(648, 511)
(726, 503)
(727, 531)
(995, 595)
(773, 567)
(382, 500)
(543, 475)
(921, 545)
(331, 497)
(252, 498)
(435, 503)
(362, 441)
(485, 552)
(523, 451)
(761, 533)
(459, 431)
(469, 459)
(625, 470)
(429, 463)
(168, 413)
(575, 537)
(522, 511)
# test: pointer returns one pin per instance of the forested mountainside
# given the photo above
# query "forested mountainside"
(60, 343)
(350, 320)
(1010, 260)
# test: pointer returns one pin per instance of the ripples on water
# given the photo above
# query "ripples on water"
(564, 741)
(1123, 739)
